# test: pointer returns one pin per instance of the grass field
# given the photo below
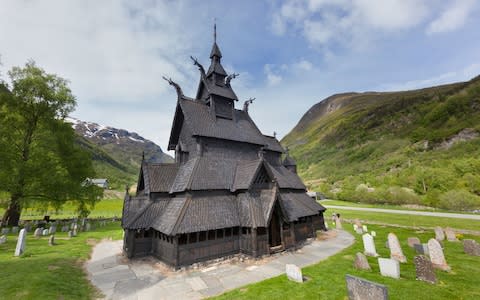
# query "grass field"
(327, 278)
(51, 272)
(107, 208)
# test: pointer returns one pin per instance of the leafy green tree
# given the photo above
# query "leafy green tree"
(39, 160)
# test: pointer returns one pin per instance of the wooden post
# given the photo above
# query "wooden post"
(254, 242)
(292, 233)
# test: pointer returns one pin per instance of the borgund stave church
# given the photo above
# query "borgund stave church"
(229, 190)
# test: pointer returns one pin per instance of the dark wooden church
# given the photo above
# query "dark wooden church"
(229, 190)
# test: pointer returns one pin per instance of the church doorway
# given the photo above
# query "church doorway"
(274, 234)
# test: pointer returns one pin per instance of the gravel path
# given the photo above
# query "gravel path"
(407, 212)
(119, 278)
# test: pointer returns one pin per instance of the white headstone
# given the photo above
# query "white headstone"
(52, 230)
(15, 229)
(395, 249)
(365, 228)
(439, 235)
(355, 226)
(436, 255)
(38, 232)
(338, 223)
(294, 273)
(373, 233)
(3, 239)
(45, 232)
(21, 242)
(389, 267)
(369, 245)
(70, 234)
(75, 228)
(451, 237)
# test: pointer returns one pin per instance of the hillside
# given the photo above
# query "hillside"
(116, 153)
(419, 147)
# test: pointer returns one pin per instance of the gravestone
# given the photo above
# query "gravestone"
(471, 247)
(439, 235)
(45, 232)
(88, 227)
(362, 289)
(361, 262)
(51, 240)
(411, 241)
(421, 249)
(294, 273)
(38, 232)
(52, 230)
(365, 228)
(450, 235)
(75, 228)
(424, 269)
(21, 242)
(369, 245)
(3, 239)
(389, 267)
(64, 228)
(395, 249)
(338, 223)
(355, 227)
(28, 226)
(373, 233)
(358, 223)
(359, 230)
(436, 255)
(70, 234)
(15, 229)
(5, 230)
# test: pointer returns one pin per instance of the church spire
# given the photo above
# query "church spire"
(215, 55)
(215, 50)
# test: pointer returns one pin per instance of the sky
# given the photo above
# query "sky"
(290, 54)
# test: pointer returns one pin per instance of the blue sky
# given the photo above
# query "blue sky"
(290, 54)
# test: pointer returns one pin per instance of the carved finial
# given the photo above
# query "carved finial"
(230, 77)
(175, 85)
(200, 67)
(214, 30)
(247, 103)
(275, 134)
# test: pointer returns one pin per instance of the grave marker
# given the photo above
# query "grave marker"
(362, 289)
(395, 249)
(5, 230)
(471, 247)
(369, 245)
(436, 255)
(421, 249)
(51, 240)
(3, 239)
(450, 235)
(38, 232)
(361, 262)
(15, 229)
(439, 235)
(21, 243)
(365, 228)
(424, 269)
(411, 241)
(45, 232)
(294, 273)
(389, 267)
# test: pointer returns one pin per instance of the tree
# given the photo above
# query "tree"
(39, 160)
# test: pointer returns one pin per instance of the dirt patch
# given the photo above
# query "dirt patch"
(326, 235)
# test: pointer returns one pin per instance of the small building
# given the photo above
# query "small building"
(100, 182)
(231, 189)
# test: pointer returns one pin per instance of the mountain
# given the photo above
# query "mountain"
(410, 147)
(116, 153)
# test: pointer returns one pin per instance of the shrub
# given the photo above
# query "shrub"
(459, 200)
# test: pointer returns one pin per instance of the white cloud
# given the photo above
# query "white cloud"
(273, 78)
(453, 17)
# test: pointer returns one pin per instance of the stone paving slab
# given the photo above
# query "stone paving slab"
(118, 278)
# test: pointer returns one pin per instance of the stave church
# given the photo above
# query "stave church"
(230, 190)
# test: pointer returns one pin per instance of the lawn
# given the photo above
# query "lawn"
(107, 208)
(327, 278)
(51, 272)
(407, 220)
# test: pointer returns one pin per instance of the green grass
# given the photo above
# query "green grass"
(51, 272)
(107, 208)
(407, 220)
(327, 278)
(387, 206)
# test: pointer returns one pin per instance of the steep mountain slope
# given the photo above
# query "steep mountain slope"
(418, 146)
(117, 153)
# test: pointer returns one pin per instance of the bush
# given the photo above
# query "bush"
(459, 200)
(401, 195)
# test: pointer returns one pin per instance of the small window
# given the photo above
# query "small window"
(219, 233)
(261, 231)
(192, 237)
(228, 232)
(286, 226)
(182, 240)
(211, 235)
(244, 230)
(202, 236)
(235, 231)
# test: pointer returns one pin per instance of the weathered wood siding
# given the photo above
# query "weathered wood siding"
(209, 249)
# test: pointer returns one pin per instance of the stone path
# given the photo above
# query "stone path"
(407, 212)
(119, 278)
